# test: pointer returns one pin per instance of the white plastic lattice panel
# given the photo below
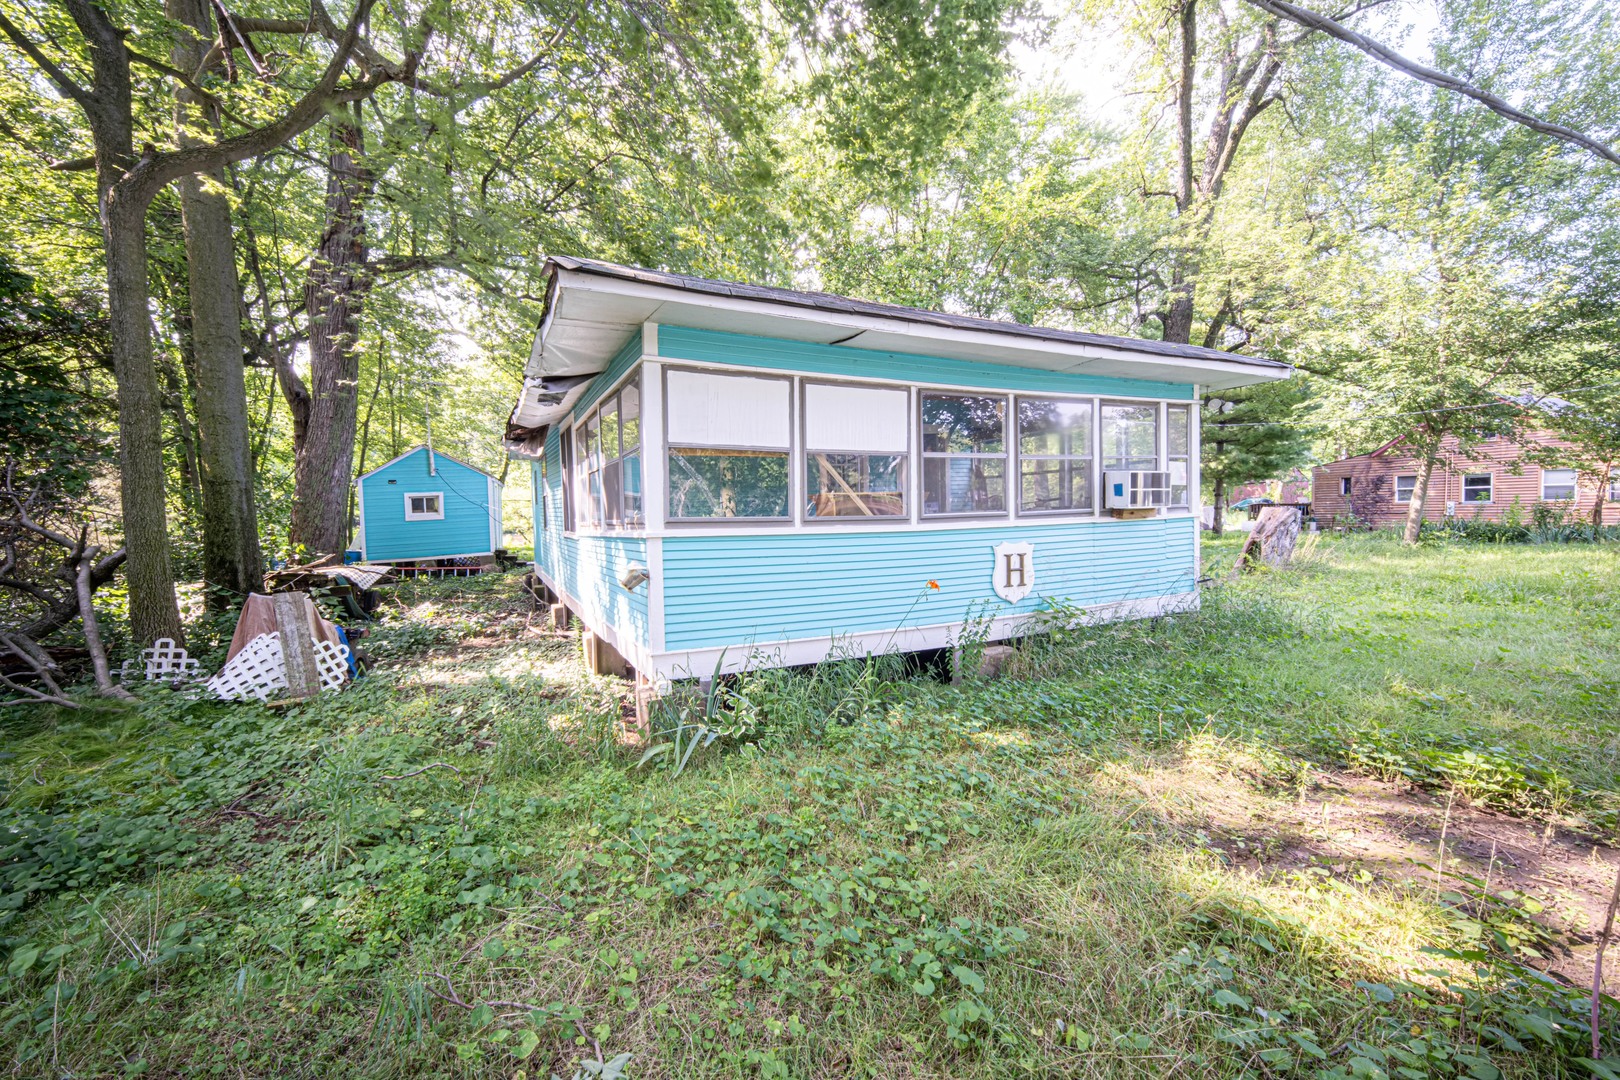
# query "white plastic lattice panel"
(258, 671)
(165, 660)
(332, 662)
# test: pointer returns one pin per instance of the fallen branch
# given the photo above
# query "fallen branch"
(453, 998)
(423, 769)
(1597, 965)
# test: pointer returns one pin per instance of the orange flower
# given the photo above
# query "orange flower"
(932, 584)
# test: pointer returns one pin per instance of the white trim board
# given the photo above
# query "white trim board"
(700, 663)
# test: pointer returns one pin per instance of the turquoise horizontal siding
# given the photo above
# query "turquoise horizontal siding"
(759, 590)
(586, 568)
(683, 343)
(465, 529)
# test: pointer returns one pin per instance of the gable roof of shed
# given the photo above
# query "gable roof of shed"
(417, 450)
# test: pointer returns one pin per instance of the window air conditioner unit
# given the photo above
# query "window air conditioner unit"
(1135, 490)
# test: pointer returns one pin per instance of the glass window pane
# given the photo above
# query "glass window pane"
(611, 487)
(630, 415)
(964, 485)
(1177, 430)
(1054, 484)
(1404, 486)
(1557, 484)
(855, 485)
(610, 429)
(1130, 436)
(593, 440)
(1178, 481)
(632, 491)
(1054, 427)
(964, 424)
(1477, 488)
(727, 483)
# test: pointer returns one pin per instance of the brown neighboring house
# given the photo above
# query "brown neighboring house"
(1375, 489)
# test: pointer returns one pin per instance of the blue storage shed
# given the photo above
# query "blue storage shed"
(762, 476)
(427, 505)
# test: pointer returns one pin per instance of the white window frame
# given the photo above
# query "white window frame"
(1016, 452)
(1409, 491)
(1614, 484)
(671, 446)
(1490, 489)
(430, 516)
(1346, 486)
(1574, 486)
(805, 449)
(1008, 456)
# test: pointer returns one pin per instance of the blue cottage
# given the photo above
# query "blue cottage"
(427, 505)
(761, 476)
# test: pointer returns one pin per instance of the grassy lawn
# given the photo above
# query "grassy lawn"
(1351, 819)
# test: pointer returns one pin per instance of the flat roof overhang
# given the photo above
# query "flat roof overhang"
(593, 309)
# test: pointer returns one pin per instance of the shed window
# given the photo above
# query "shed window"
(1344, 486)
(1178, 456)
(964, 454)
(1130, 436)
(855, 452)
(424, 506)
(1404, 486)
(1477, 488)
(1054, 455)
(1557, 485)
(728, 446)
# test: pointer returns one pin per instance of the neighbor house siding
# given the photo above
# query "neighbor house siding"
(756, 591)
(681, 343)
(465, 528)
(1372, 482)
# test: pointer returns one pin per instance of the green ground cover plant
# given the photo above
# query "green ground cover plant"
(455, 868)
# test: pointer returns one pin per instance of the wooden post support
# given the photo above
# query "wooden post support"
(559, 616)
(297, 644)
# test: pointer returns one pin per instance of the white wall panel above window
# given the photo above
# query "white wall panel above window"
(855, 418)
(727, 410)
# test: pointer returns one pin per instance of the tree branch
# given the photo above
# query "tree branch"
(86, 100)
(1315, 20)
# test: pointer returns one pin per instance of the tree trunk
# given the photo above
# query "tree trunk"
(1420, 493)
(334, 295)
(232, 563)
(1218, 500)
(153, 611)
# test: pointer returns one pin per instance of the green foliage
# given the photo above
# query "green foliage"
(1251, 434)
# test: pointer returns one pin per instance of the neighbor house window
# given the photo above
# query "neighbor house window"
(1054, 455)
(1130, 436)
(964, 454)
(424, 506)
(1344, 486)
(1614, 485)
(1404, 486)
(1557, 485)
(1178, 457)
(728, 446)
(855, 452)
(1477, 488)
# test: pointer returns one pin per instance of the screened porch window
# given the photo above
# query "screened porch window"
(728, 446)
(1178, 443)
(1054, 455)
(1130, 436)
(855, 452)
(602, 463)
(964, 454)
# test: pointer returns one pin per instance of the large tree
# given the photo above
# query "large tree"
(87, 58)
